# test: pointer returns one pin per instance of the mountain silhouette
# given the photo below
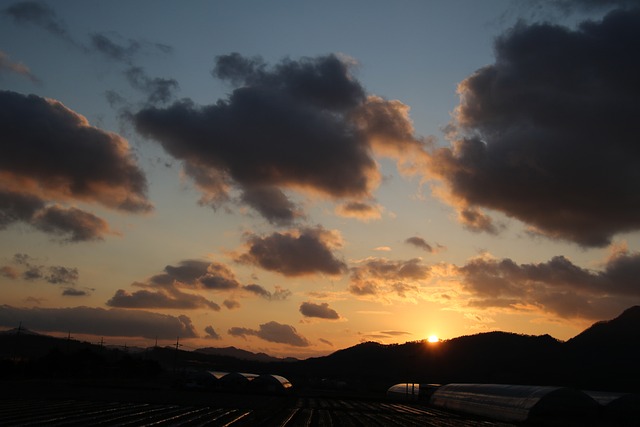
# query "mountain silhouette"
(603, 357)
(243, 354)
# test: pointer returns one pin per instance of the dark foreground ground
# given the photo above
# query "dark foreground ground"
(67, 403)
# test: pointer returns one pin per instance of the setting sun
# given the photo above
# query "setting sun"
(433, 338)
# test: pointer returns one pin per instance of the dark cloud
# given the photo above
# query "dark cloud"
(385, 278)
(187, 271)
(419, 242)
(56, 274)
(74, 225)
(273, 332)
(322, 340)
(62, 275)
(211, 333)
(359, 210)
(272, 204)
(231, 304)
(166, 289)
(33, 272)
(9, 66)
(557, 286)
(278, 295)
(98, 321)
(73, 292)
(363, 288)
(16, 207)
(547, 134)
(157, 89)
(71, 224)
(119, 52)
(219, 277)
(38, 14)
(570, 6)
(42, 142)
(322, 311)
(295, 253)
(303, 125)
(172, 298)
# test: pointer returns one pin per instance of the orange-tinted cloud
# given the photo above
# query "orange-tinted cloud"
(7, 65)
(273, 332)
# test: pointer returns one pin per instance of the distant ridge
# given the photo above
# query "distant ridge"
(603, 357)
(243, 354)
(20, 331)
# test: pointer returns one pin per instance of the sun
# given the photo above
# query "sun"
(433, 338)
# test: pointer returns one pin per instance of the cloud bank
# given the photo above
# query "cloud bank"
(304, 125)
(51, 155)
(557, 286)
(98, 321)
(547, 133)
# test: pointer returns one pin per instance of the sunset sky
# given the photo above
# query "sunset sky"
(297, 177)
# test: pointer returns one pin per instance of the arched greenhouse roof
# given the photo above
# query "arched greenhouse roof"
(513, 402)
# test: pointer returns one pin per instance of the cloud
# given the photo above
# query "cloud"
(557, 286)
(74, 225)
(62, 275)
(211, 333)
(302, 125)
(38, 14)
(385, 278)
(273, 332)
(30, 270)
(111, 49)
(295, 253)
(166, 289)
(359, 210)
(546, 135)
(278, 295)
(9, 272)
(7, 65)
(157, 89)
(231, 304)
(98, 321)
(321, 311)
(72, 292)
(172, 298)
(219, 277)
(419, 242)
(272, 204)
(322, 340)
(38, 164)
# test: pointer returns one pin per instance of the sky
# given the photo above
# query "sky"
(295, 178)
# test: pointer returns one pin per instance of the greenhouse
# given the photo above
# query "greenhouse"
(513, 402)
(271, 384)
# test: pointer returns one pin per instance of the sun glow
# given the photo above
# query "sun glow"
(433, 338)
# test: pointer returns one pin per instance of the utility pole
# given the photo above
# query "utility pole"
(175, 356)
